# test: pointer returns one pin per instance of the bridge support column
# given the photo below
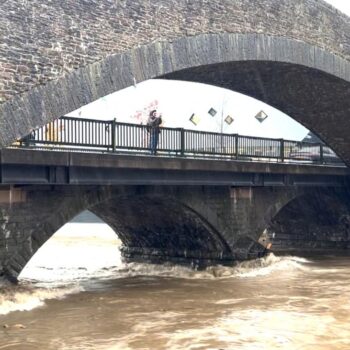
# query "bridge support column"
(241, 214)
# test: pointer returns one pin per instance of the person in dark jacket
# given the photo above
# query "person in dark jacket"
(153, 127)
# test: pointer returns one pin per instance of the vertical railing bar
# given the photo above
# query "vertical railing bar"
(282, 150)
(76, 131)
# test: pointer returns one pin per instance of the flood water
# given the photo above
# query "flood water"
(76, 294)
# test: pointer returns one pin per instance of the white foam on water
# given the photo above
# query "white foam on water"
(50, 282)
(253, 268)
(81, 252)
(76, 253)
(270, 264)
(27, 298)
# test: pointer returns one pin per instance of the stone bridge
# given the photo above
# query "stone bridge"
(190, 211)
(292, 54)
(58, 56)
(196, 225)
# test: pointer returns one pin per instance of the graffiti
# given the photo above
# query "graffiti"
(141, 116)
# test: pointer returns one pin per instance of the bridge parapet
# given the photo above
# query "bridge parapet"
(28, 167)
(79, 134)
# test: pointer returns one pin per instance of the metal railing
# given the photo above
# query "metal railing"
(111, 136)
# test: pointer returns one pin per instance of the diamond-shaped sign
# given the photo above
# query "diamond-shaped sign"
(261, 116)
(212, 112)
(229, 120)
(194, 119)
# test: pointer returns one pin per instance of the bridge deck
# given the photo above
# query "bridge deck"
(25, 166)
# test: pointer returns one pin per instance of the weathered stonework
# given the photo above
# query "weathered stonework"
(318, 221)
(293, 54)
(41, 41)
(197, 225)
(193, 224)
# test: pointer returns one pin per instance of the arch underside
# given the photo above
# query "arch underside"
(318, 100)
(316, 221)
(307, 83)
(159, 229)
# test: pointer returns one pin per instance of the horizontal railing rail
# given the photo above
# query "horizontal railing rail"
(112, 136)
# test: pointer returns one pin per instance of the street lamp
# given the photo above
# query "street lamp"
(228, 119)
(223, 120)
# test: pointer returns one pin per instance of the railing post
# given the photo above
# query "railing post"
(282, 150)
(114, 141)
(236, 145)
(321, 154)
(182, 141)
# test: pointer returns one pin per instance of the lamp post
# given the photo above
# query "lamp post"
(224, 101)
(220, 122)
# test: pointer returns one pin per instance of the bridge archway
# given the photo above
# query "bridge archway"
(316, 221)
(161, 228)
(295, 219)
(308, 83)
(83, 248)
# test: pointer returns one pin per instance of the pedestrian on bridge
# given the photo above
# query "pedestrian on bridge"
(153, 128)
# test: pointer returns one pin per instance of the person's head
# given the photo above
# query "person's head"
(153, 114)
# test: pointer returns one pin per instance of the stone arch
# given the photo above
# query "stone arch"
(307, 82)
(60, 257)
(318, 220)
(162, 228)
(44, 213)
(270, 210)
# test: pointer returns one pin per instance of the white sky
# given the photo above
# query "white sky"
(177, 101)
(342, 5)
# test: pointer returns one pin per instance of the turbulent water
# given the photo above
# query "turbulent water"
(76, 294)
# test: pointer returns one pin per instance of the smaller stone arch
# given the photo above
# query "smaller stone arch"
(73, 248)
(30, 224)
(159, 228)
(317, 221)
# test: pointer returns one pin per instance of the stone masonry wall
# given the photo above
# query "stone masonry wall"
(199, 224)
(193, 224)
(44, 40)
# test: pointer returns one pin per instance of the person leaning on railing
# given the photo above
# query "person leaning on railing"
(153, 128)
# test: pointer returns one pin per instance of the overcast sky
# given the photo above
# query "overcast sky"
(178, 101)
(342, 5)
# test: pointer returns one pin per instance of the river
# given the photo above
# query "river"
(76, 294)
